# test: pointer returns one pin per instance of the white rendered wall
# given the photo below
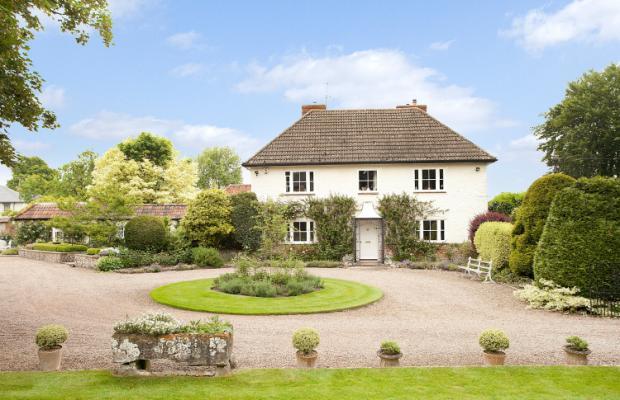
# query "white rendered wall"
(464, 194)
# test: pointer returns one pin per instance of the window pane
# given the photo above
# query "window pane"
(442, 231)
(311, 233)
(288, 181)
(311, 181)
(415, 180)
(441, 179)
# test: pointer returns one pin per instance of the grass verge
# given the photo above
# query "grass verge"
(343, 384)
(197, 295)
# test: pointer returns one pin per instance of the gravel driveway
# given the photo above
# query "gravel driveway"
(436, 317)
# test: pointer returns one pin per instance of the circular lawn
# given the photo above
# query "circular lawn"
(197, 295)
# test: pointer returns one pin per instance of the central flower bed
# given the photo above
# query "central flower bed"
(280, 278)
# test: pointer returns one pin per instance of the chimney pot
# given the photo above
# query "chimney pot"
(309, 107)
(414, 104)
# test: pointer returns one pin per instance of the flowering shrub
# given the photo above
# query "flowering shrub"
(164, 324)
(305, 340)
(549, 296)
(51, 336)
(494, 341)
(390, 348)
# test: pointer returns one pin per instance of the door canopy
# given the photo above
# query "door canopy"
(368, 211)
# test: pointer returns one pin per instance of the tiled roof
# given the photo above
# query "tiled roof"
(238, 188)
(45, 211)
(8, 195)
(367, 136)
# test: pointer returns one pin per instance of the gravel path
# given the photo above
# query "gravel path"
(435, 316)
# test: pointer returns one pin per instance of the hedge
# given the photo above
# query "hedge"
(146, 233)
(62, 247)
(492, 242)
(581, 240)
(530, 220)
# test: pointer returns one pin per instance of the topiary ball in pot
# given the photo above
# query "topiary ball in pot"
(146, 233)
(50, 338)
(576, 351)
(494, 342)
(305, 340)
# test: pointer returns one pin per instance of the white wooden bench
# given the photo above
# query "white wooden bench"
(479, 267)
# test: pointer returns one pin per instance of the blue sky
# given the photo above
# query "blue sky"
(232, 73)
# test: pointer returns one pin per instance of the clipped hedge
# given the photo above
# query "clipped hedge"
(530, 220)
(492, 242)
(61, 247)
(487, 216)
(580, 243)
(146, 233)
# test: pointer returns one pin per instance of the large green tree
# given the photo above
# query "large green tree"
(24, 167)
(581, 134)
(77, 175)
(218, 167)
(19, 83)
(147, 146)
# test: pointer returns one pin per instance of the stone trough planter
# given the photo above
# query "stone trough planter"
(174, 354)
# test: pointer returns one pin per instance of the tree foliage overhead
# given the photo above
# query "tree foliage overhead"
(218, 167)
(581, 134)
(147, 146)
(19, 84)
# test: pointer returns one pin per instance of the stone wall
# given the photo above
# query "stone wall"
(85, 261)
(48, 256)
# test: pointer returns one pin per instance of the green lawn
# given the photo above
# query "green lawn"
(197, 296)
(342, 384)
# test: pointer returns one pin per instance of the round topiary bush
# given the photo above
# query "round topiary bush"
(51, 336)
(494, 341)
(305, 340)
(145, 233)
(492, 242)
(530, 220)
(580, 242)
(488, 216)
(390, 347)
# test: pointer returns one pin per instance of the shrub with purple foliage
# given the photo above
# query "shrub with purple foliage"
(485, 217)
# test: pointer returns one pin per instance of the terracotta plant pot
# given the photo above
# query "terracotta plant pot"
(576, 357)
(307, 360)
(494, 358)
(49, 360)
(389, 360)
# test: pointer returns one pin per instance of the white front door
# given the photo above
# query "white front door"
(369, 239)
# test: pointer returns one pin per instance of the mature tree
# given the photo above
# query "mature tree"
(207, 221)
(19, 84)
(218, 167)
(581, 134)
(77, 175)
(26, 166)
(36, 186)
(145, 181)
(147, 146)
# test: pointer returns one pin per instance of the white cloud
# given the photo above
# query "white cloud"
(27, 145)
(374, 78)
(5, 174)
(53, 97)
(527, 142)
(581, 20)
(441, 45)
(117, 126)
(523, 149)
(185, 40)
(188, 69)
(126, 8)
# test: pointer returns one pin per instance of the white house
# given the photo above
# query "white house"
(366, 154)
(10, 200)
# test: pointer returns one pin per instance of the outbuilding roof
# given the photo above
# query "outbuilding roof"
(404, 134)
(8, 195)
(45, 211)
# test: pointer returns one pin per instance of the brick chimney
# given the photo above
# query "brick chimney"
(309, 107)
(414, 104)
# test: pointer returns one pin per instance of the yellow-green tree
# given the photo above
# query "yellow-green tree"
(207, 221)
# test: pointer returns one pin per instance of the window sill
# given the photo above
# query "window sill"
(296, 243)
(368, 192)
(298, 194)
(429, 191)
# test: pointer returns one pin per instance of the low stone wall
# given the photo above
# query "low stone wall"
(85, 261)
(48, 256)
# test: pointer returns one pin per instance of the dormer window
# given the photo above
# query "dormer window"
(299, 181)
(367, 181)
(428, 179)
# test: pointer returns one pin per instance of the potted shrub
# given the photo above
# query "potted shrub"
(494, 342)
(306, 340)
(50, 339)
(390, 354)
(576, 351)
